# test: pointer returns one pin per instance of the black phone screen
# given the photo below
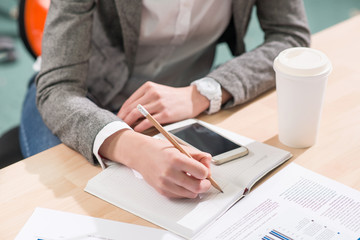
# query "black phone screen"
(204, 139)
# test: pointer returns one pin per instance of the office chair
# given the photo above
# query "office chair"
(32, 16)
(31, 21)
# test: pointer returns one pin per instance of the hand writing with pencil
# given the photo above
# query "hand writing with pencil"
(163, 166)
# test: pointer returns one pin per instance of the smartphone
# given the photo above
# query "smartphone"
(206, 140)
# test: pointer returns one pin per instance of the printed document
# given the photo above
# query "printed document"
(295, 204)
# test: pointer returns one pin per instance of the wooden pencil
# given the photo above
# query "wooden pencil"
(171, 139)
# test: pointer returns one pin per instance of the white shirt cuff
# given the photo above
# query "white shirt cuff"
(106, 132)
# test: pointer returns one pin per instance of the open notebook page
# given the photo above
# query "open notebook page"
(125, 188)
(122, 187)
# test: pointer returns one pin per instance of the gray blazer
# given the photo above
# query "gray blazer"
(89, 49)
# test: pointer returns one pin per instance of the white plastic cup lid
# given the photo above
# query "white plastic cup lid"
(303, 62)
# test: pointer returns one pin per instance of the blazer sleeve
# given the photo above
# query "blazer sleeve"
(61, 88)
(246, 76)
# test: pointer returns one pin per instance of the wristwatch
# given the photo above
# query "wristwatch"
(210, 89)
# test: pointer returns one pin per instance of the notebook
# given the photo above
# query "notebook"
(125, 188)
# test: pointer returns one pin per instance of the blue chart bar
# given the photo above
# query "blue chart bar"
(277, 235)
(267, 238)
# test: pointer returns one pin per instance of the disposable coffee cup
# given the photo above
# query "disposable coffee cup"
(301, 77)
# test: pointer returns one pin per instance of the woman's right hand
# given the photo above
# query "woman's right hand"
(163, 166)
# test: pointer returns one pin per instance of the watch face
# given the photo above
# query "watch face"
(209, 87)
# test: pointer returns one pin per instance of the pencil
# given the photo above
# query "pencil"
(171, 139)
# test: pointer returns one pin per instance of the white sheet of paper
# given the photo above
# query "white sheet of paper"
(47, 224)
(296, 203)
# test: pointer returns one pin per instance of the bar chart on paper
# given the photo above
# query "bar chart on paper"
(274, 234)
(299, 227)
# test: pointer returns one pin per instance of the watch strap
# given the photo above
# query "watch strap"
(214, 95)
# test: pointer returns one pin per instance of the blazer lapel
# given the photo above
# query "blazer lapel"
(130, 20)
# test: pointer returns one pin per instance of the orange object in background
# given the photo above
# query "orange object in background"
(32, 16)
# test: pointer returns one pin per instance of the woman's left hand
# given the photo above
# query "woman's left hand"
(166, 104)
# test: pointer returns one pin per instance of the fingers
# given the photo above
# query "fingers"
(149, 97)
(179, 184)
(145, 124)
(134, 116)
(136, 120)
(183, 177)
(191, 184)
(166, 104)
(146, 94)
(125, 109)
(202, 157)
(192, 167)
(193, 187)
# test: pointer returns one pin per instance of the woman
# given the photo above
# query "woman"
(102, 58)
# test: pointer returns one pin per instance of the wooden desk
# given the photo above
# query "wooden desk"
(56, 178)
